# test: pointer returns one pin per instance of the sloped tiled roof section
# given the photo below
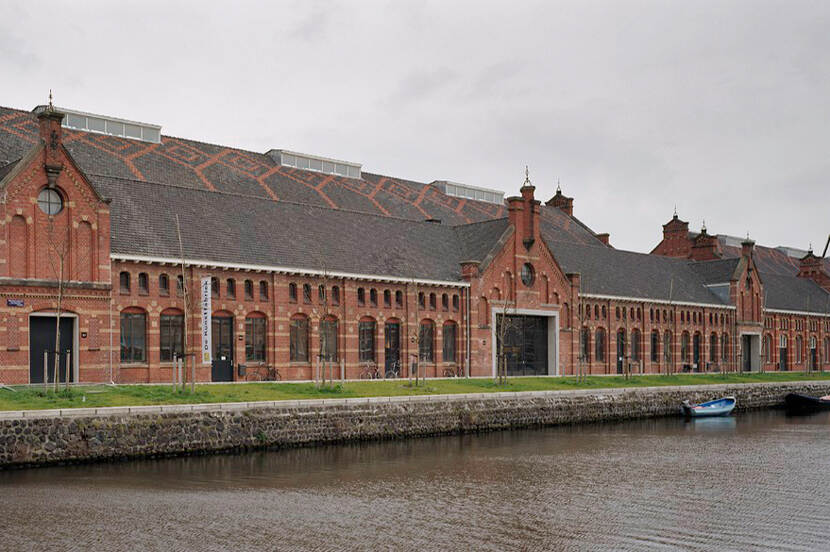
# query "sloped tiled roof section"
(193, 164)
(768, 259)
(608, 271)
(715, 272)
(791, 293)
(476, 240)
(239, 229)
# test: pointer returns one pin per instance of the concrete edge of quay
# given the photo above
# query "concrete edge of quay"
(32, 438)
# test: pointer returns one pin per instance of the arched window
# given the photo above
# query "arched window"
(455, 302)
(335, 295)
(585, 345)
(445, 302)
(599, 343)
(617, 312)
(651, 315)
(255, 325)
(143, 283)
(230, 288)
(387, 298)
(361, 297)
(179, 285)
(366, 335)
(483, 313)
(214, 287)
(596, 312)
(426, 341)
(171, 334)
(133, 335)
(124, 282)
(298, 339)
(799, 352)
(724, 347)
(422, 302)
(292, 292)
(783, 341)
(604, 314)
(164, 285)
(321, 294)
(432, 301)
(398, 298)
(373, 297)
(449, 337)
(713, 347)
(249, 290)
(328, 339)
(263, 290)
(307, 294)
(826, 350)
(635, 345)
(655, 345)
(667, 346)
(684, 347)
(658, 315)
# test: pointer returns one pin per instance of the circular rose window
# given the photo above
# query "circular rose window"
(528, 274)
(50, 201)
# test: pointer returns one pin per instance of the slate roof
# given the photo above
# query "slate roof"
(242, 229)
(768, 259)
(476, 240)
(715, 272)
(792, 293)
(608, 271)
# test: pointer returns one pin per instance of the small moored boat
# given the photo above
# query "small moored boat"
(798, 403)
(720, 407)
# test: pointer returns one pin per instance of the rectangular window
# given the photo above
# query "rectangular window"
(299, 340)
(366, 340)
(449, 342)
(255, 339)
(426, 337)
(171, 328)
(133, 337)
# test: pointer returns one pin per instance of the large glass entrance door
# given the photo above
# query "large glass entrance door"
(525, 344)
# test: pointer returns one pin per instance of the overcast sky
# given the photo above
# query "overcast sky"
(722, 108)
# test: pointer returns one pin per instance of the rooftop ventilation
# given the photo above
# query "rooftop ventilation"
(457, 189)
(316, 163)
(104, 124)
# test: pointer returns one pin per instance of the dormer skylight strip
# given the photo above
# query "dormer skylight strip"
(102, 124)
(457, 189)
(316, 163)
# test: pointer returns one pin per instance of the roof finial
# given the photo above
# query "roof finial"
(51, 107)
(675, 210)
(558, 187)
(527, 176)
(747, 235)
(810, 248)
(703, 228)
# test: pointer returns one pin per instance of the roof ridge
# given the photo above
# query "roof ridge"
(284, 201)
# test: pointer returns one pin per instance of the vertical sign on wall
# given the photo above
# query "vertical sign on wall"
(206, 321)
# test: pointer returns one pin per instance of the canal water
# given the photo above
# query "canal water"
(749, 482)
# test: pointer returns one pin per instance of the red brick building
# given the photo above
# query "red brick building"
(314, 260)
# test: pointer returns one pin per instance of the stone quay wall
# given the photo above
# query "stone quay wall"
(43, 437)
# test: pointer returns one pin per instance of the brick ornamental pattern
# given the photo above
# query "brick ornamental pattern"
(36, 438)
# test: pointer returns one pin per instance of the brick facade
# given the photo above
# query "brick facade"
(588, 329)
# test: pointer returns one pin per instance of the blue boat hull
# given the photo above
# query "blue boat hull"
(720, 407)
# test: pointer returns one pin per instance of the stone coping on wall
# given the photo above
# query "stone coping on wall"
(722, 388)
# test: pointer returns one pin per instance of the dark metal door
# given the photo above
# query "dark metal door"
(746, 350)
(620, 351)
(525, 345)
(782, 359)
(392, 346)
(222, 336)
(42, 338)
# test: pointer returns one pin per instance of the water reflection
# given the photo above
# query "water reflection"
(742, 482)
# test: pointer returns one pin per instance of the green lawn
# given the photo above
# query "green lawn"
(135, 395)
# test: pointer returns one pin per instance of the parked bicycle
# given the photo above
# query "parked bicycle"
(370, 371)
(452, 372)
(394, 370)
(265, 373)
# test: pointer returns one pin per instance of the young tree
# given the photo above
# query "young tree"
(506, 323)
(57, 240)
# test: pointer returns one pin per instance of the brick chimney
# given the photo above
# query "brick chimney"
(523, 213)
(604, 238)
(747, 247)
(51, 134)
(812, 267)
(562, 202)
(706, 247)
